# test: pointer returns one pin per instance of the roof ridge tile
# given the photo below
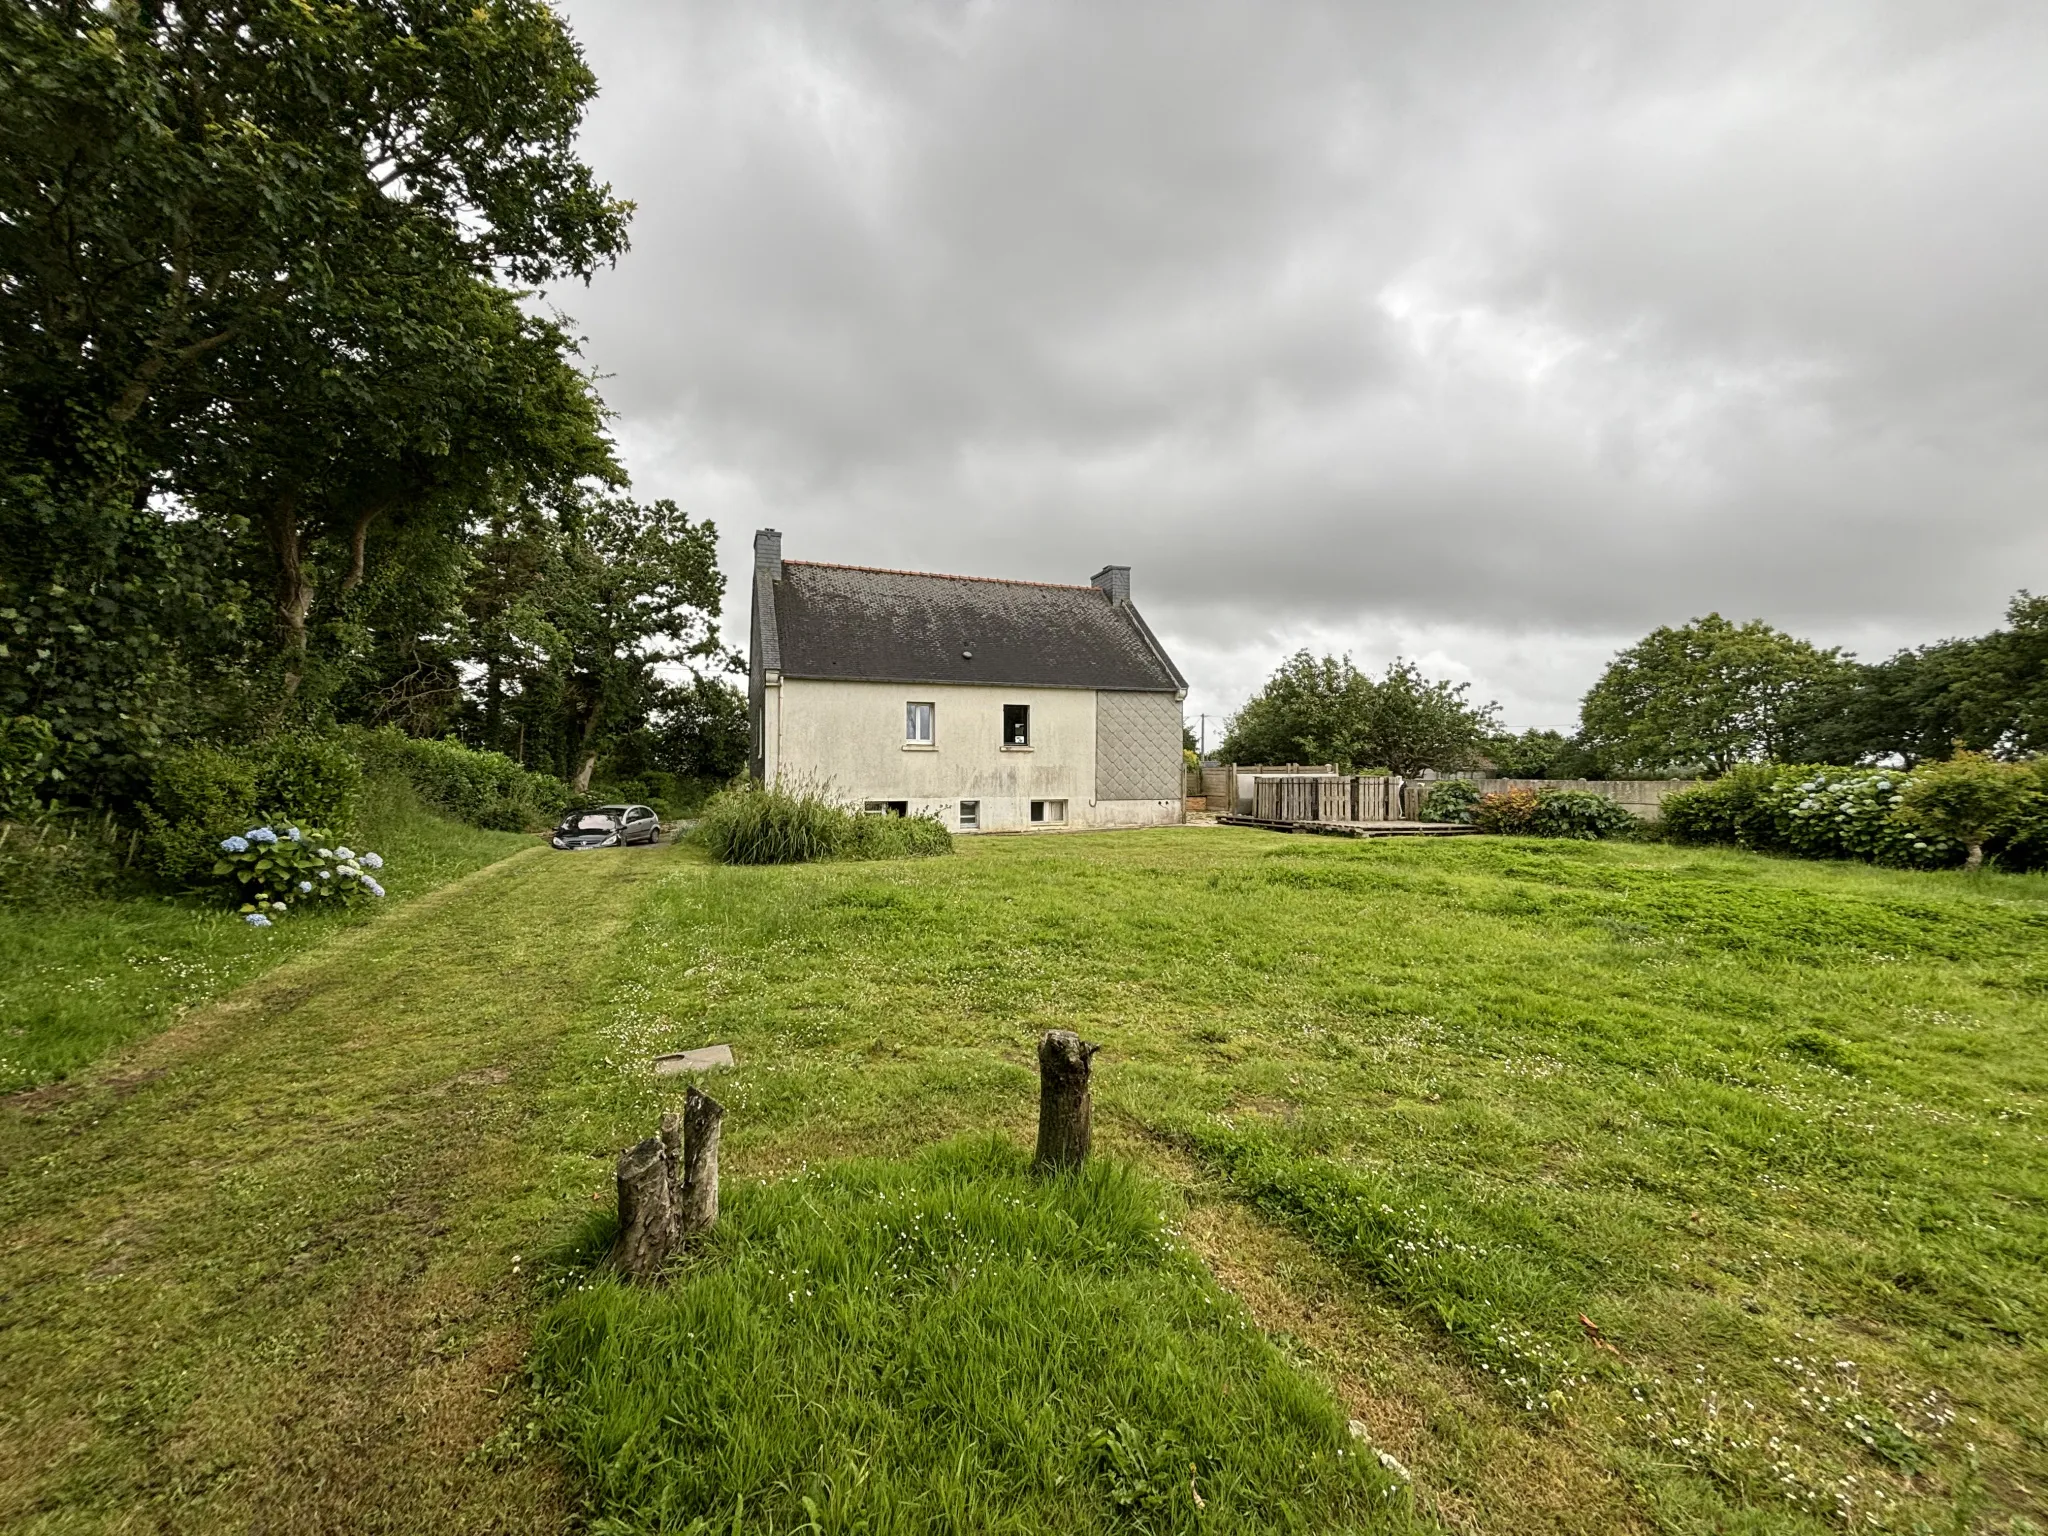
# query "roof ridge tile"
(1000, 581)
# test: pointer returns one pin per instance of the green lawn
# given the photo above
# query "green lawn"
(86, 977)
(1433, 1112)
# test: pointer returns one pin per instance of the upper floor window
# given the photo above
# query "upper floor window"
(1016, 725)
(917, 724)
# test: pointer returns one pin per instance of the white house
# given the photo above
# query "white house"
(994, 705)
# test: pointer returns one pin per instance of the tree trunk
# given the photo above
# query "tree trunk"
(581, 783)
(1065, 1116)
(1975, 859)
(703, 1120)
(294, 587)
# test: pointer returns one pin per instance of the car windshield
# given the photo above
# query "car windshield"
(592, 823)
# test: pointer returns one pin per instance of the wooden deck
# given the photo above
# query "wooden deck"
(1356, 828)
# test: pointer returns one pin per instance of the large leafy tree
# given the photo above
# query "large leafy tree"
(1323, 709)
(1708, 694)
(218, 215)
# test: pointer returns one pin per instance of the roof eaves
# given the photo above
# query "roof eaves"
(1152, 644)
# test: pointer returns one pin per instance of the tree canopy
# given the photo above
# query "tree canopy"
(1708, 694)
(1323, 709)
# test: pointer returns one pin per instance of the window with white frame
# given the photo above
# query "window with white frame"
(918, 721)
(970, 815)
(1049, 810)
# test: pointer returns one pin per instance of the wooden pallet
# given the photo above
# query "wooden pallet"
(1357, 828)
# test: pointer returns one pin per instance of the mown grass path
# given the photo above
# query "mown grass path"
(256, 1275)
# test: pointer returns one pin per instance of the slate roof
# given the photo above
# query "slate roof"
(857, 623)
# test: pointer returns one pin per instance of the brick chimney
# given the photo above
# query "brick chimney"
(1115, 580)
(768, 553)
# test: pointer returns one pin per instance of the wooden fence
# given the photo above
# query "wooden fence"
(1327, 798)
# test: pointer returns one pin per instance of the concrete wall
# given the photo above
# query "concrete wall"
(847, 738)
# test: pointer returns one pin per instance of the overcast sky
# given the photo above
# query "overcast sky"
(1488, 334)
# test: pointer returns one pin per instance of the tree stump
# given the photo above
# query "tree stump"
(668, 1188)
(703, 1119)
(647, 1216)
(1065, 1118)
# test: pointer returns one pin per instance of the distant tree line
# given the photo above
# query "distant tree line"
(1699, 698)
(284, 440)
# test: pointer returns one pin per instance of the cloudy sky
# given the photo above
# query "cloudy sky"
(1484, 333)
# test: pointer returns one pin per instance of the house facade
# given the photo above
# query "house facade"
(996, 706)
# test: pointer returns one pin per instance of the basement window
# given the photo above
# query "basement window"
(1049, 810)
(887, 808)
(918, 720)
(1016, 725)
(970, 815)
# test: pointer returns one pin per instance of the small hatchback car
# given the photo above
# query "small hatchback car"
(608, 826)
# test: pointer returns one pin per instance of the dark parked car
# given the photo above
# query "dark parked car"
(608, 826)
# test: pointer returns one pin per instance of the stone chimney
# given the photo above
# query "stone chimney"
(768, 553)
(1115, 580)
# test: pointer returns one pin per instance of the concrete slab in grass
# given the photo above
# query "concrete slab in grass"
(708, 1058)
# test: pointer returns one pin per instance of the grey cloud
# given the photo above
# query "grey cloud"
(1562, 318)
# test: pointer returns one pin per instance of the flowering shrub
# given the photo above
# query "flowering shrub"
(275, 873)
(1579, 813)
(1506, 810)
(1842, 813)
(1450, 800)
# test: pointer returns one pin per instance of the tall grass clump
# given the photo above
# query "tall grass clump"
(779, 824)
(944, 1343)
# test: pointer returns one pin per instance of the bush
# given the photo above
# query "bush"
(1698, 815)
(485, 789)
(198, 795)
(1506, 810)
(2022, 842)
(1450, 800)
(272, 873)
(755, 824)
(1964, 800)
(1579, 813)
(28, 756)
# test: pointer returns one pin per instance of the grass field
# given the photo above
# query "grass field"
(1609, 1187)
(84, 978)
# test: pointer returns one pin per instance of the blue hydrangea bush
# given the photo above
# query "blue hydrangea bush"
(274, 872)
(1848, 813)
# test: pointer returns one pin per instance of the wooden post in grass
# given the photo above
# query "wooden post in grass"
(668, 1188)
(1065, 1119)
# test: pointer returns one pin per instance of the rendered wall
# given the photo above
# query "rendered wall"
(847, 737)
